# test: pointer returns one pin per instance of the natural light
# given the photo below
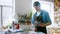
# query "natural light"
(7, 11)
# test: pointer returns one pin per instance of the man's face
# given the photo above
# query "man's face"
(37, 8)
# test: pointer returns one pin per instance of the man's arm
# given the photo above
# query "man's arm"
(48, 20)
(42, 24)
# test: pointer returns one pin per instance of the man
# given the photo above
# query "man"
(40, 19)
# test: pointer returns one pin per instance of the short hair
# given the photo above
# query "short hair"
(36, 3)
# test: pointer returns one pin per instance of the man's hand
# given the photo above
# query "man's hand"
(47, 24)
(42, 24)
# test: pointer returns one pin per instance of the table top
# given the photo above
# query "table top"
(27, 32)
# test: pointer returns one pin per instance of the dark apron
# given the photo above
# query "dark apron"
(41, 29)
(38, 20)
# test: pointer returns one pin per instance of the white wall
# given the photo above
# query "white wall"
(0, 17)
(23, 6)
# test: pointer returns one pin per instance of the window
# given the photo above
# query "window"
(7, 10)
(7, 15)
(6, 2)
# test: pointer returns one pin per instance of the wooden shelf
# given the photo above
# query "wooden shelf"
(56, 12)
(54, 30)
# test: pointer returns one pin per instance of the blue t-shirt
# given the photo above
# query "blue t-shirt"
(45, 17)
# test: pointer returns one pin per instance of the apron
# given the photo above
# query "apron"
(38, 20)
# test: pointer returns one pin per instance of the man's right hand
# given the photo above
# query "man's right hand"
(42, 24)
